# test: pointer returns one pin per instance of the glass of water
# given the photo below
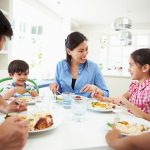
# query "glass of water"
(42, 103)
(79, 108)
(67, 99)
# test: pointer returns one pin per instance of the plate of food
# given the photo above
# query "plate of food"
(101, 106)
(40, 121)
(27, 99)
(130, 128)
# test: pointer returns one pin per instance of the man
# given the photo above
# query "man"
(14, 130)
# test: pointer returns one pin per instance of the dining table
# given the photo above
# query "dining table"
(68, 134)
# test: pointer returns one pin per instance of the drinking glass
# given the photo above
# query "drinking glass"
(67, 99)
(79, 108)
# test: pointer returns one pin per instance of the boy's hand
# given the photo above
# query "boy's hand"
(19, 90)
(33, 93)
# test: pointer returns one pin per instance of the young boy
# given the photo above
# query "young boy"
(18, 70)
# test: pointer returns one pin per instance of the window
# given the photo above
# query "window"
(114, 54)
(36, 39)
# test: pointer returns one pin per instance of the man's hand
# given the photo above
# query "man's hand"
(112, 135)
(14, 133)
(16, 106)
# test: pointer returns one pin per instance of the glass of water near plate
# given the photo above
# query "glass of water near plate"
(42, 103)
(79, 108)
(67, 99)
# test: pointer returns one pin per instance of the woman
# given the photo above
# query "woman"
(76, 74)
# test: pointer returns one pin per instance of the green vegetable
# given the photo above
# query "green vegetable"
(110, 124)
(59, 98)
(93, 104)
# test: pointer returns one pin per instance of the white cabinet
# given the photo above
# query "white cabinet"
(5, 7)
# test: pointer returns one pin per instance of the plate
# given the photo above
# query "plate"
(128, 128)
(28, 99)
(56, 122)
(101, 106)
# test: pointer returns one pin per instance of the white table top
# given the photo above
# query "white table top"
(76, 135)
(89, 134)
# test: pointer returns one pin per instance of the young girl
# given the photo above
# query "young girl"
(139, 90)
(18, 71)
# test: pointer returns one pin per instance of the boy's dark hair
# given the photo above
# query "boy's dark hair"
(141, 56)
(17, 66)
(5, 26)
(73, 40)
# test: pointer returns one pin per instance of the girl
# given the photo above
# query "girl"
(139, 90)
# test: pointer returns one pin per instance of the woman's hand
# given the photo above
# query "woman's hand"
(54, 87)
(90, 88)
(97, 95)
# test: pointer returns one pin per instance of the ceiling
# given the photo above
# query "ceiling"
(100, 11)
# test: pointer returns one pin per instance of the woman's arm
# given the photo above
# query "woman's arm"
(100, 82)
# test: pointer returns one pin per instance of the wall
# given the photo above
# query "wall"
(117, 85)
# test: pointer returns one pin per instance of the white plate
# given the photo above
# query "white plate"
(98, 109)
(133, 120)
(30, 100)
(56, 122)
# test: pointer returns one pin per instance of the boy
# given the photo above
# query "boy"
(18, 70)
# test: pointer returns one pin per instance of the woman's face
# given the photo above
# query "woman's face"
(79, 54)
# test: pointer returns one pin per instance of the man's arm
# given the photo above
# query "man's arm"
(139, 142)
(14, 106)
(3, 105)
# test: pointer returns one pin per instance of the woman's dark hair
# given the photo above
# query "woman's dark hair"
(5, 26)
(141, 56)
(73, 40)
(17, 66)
